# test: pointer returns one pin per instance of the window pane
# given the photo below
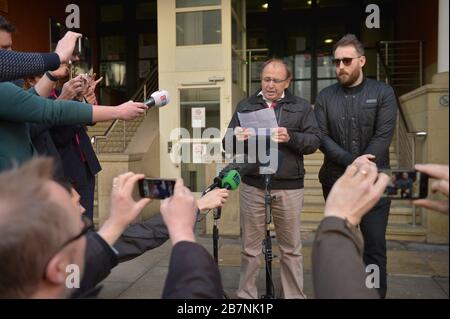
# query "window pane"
(112, 48)
(237, 69)
(236, 35)
(237, 7)
(202, 105)
(146, 11)
(114, 73)
(303, 66)
(111, 13)
(147, 46)
(303, 89)
(196, 3)
(325, 67)
(256, 87)
(203, 27)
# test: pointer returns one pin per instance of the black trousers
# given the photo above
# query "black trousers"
(86, 191)
(373, 228)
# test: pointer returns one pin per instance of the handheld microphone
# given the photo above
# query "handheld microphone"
(158, 99)
(231, 180)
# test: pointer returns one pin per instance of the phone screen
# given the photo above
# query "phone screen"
(156, 188)
(406, 184)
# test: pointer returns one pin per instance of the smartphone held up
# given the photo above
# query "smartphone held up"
(406, 184)
(156, 188)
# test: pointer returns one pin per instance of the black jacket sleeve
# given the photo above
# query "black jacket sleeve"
(337, 265)
(385, 125)
(330, 148)
(193, 274)
(307, 140)
(99, 260)
(15, 65)
(141, 237)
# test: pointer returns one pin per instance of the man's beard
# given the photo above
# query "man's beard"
(350, 78)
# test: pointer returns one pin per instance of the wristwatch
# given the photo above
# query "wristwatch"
(51, 77)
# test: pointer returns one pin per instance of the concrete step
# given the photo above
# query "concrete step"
(312, 183)
(313, 191)
(313, 209)
(315, 156)
(312, 162)
(393, 232)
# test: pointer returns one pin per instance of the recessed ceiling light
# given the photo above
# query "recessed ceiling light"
(328, 41)
(265, 6)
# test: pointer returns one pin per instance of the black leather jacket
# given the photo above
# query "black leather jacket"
(295, 114)
(355, 121)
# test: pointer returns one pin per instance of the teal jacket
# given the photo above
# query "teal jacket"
(17, 107)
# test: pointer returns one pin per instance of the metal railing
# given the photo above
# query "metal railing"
(399, 63)
(149, 85)
(404, 60)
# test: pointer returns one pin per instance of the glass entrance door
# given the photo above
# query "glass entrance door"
(200, 143)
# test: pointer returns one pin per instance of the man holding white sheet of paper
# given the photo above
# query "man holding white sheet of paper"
(294, 129)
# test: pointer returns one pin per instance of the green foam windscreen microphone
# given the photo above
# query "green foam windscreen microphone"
(231, 180)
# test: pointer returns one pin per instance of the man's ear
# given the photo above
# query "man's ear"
(288, 82)
(362, 61)
(56, 269)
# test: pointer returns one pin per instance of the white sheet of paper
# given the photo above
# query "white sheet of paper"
(198, 152)
(198, 117)
(262, 119)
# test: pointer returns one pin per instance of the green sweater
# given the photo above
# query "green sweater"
(17, 107)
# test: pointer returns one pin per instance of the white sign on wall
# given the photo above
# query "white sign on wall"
(198, 117)
(198, 152)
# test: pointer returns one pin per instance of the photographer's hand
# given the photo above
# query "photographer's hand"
(72, 89)
(124, 209)
(66, 46)
(179, 213)
(440, 173)
(356, 192)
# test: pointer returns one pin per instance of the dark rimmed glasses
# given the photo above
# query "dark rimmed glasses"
(346, 61)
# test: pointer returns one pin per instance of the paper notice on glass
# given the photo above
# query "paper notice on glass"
(198, 152)
(261, 121)
(198, 117)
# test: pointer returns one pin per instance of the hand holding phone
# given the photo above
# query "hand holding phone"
(156, 188)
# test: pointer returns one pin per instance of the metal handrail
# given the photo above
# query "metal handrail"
(405, 137)
(150, 84)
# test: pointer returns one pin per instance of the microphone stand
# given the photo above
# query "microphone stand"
(217, 216)
(267, 242)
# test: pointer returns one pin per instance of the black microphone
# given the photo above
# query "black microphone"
(158, 99)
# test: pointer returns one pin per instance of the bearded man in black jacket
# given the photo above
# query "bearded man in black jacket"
(357, 119)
